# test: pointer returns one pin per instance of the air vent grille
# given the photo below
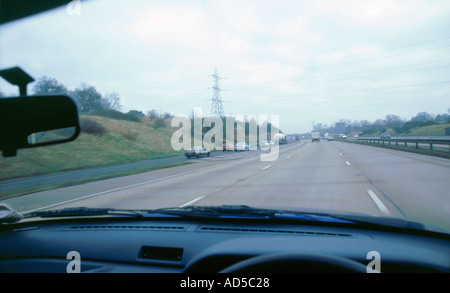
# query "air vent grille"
(273, 231)
(128, 227)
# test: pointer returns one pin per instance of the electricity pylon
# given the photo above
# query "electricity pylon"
(216, 105)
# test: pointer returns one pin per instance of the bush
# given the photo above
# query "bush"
(92, 127)
(130, 116)
(159, 123)
(408, 126)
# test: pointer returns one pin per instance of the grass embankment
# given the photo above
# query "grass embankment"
(428, 130)
(103, 141)
(431, 130)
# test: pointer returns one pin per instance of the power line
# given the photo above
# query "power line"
(357, 74)
(310, 62)
(375, 91)
(301, 64)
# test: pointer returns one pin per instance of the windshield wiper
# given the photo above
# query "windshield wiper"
(8, 215)
(238, 212)
(246, 212)
(82, 211)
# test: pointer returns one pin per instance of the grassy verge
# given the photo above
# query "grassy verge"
(430, 130)
(28, 190)
(103, 141)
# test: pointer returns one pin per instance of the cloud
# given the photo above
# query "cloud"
(379, 14)
(276, 55)
(184, 26)
(240, 17)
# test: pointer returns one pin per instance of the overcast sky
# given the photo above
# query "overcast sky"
(306, 61)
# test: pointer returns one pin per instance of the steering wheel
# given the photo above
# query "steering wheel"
(296, 263)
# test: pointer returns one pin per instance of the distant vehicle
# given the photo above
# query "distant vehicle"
(196, 151)
(385, 135)
(315, 136)
(343, 136)
(355, 135)
(330, 137)
(265, 144)
(228, 147)
(241, 146)
(280, 138)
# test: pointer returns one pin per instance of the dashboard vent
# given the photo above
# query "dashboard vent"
(272, 231)
(129, 227)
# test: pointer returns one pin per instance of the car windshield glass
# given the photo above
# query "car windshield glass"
(326, 107)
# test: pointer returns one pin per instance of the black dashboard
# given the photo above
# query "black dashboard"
(108, 245)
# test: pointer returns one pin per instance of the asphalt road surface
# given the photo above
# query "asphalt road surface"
(71, 175)
(324, 176)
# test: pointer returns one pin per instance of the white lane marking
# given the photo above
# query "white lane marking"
(289, 156)
(266, 167)
(340, 154)
(378, 202)
(126, 187)
(192, 201)
(347, 162)
(137, 184)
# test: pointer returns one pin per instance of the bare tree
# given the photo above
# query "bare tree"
(49, 86)
(89, 99)
(111, 101)
(153, 114)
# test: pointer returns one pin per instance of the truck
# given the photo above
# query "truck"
(315, 136)
(280, 138)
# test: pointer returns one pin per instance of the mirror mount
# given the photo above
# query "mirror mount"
(16, 76)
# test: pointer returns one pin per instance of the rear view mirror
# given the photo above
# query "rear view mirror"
(31, 121)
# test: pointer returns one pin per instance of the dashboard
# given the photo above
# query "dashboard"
(108, 245)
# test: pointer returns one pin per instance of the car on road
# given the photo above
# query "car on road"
(266, 143)
(227, 147)
(241, 146)
(197, 151)
(330, 137)
(385, 135)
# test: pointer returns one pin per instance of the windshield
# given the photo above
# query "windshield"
(301, 106)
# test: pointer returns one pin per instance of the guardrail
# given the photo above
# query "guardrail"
(431, 142)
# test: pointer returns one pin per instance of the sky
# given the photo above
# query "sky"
(308, 62)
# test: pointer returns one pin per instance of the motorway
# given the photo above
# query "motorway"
(325, 176)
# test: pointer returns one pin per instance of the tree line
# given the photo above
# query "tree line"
(91, 101)
(391, 121)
